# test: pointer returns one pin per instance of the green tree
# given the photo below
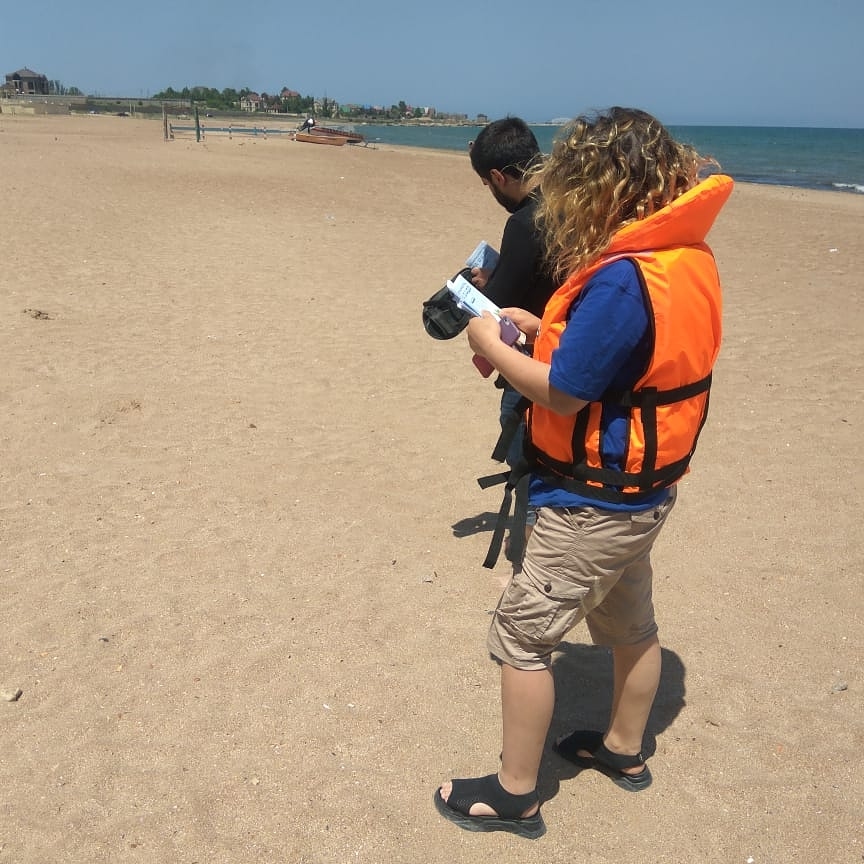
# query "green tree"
(298, 104)
(167, 93)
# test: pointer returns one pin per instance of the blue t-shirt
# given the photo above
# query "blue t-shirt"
(606, 345)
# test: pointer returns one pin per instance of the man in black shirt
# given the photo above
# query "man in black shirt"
(503, 152)
(501, 155)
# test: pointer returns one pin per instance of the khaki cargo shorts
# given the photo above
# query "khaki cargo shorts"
(580, 562)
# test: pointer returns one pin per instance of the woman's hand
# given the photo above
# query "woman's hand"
(527, 322)
(483, 333)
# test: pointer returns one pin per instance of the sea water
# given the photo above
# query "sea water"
(830, 159)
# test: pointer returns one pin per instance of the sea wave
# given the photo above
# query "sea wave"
(850, 187)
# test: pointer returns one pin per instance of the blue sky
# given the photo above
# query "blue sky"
(745, 62)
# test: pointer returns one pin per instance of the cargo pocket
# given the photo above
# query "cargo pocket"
(538, 612)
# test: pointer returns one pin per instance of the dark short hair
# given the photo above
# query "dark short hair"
(507, 145)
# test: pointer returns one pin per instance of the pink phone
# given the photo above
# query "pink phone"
(484, 367)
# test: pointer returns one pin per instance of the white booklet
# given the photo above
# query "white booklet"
(470, 299)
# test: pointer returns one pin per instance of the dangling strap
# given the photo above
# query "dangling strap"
(516, 475)
(516, 480)
(520, 520)
(498, 534)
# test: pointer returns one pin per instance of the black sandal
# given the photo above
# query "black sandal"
(488, 790)
(603, 759)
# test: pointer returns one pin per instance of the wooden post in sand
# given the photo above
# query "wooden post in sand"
(165, 120)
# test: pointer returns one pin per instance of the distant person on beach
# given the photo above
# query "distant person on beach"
(502, 156)
(619, 384)
(308, 123)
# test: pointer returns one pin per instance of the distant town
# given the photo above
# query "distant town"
(25, 84)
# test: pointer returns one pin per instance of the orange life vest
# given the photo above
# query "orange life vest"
(667, 406)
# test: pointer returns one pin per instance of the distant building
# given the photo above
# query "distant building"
(250, 102)
(26, 82)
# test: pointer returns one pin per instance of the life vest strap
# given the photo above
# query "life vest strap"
(518, 474)
(509, 428)
(578, 480)
(520, 520)
(493, 479)
(515, 482)
(608, 484)
(498, 533)
(653, 396)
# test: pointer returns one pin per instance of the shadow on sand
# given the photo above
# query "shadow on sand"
(475, 524)
(583, 693)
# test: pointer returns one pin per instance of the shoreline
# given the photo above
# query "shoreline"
(278, 124)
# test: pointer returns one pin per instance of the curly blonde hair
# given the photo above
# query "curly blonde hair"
(604, 172)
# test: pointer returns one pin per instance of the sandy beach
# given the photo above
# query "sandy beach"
(241, 591)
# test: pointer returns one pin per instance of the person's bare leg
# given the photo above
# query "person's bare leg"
(636, 678)
(527, 702)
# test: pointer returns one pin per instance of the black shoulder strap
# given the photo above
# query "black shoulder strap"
(508, 429)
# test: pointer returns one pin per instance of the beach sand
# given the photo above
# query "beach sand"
(241, 537)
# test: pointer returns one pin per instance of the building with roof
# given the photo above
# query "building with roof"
(26, 82)
(250, 102)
